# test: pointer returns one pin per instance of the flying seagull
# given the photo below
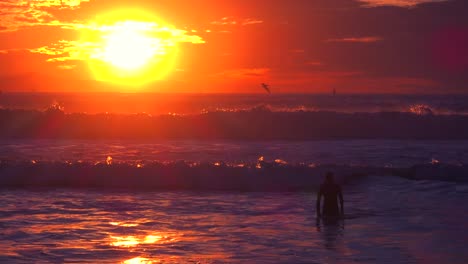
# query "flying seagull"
(266, 87)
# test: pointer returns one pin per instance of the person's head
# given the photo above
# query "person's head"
(329, 178)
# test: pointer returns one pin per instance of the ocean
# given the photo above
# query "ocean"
(155, 103)
(157, 178)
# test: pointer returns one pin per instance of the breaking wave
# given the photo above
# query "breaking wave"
(218, 176)
(258, 123)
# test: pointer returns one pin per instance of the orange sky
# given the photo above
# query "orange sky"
(379, 46)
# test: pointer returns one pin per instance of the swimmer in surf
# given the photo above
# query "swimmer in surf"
(331, 192)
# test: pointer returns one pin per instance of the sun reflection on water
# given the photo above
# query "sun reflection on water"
(138, 260)
(132, 241)
(128, 241)
(123, 224)
(152, 239)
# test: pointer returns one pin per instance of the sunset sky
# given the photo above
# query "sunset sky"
(381, 46)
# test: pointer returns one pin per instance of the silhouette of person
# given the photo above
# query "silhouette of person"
(331, 192)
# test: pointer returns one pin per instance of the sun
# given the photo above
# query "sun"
(131, 48)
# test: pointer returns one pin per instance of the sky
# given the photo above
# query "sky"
(232, 46)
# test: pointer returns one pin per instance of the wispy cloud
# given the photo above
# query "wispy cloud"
(251, 21)
(399, 3)
(66, 67)
(48, 3)
(368, 39)
(243, 73)
(66, 50)
(58, 4)
(20, 13)
(161, 37)
(236, 21)
(225, 21)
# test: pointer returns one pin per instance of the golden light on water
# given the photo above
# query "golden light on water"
(132, 241)
(138, 260)
(151, 239)
(128, 241)
(123, 224)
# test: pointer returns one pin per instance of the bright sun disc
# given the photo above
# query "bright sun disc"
(130, 48)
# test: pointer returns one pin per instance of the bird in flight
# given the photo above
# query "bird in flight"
(266, 87)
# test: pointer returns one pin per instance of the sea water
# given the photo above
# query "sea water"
(189, 200)
(387, 221)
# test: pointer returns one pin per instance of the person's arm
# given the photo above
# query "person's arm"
(340, 197)
(319, 196)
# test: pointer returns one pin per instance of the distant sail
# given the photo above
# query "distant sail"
(266, 87)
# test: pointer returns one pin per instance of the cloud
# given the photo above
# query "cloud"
(251, 21)
(20, 13)
(243, 73)
(225, 21)
(66, 67)
(66, 50)
(369, 39)
(161, 38)
(233, 21)
(63, 4)
(398, 3)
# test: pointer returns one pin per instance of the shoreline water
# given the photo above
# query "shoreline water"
(389, 220)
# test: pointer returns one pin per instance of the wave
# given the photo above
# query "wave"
(219, 176)
(155, 103)
(259, 123)
(417, 109)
